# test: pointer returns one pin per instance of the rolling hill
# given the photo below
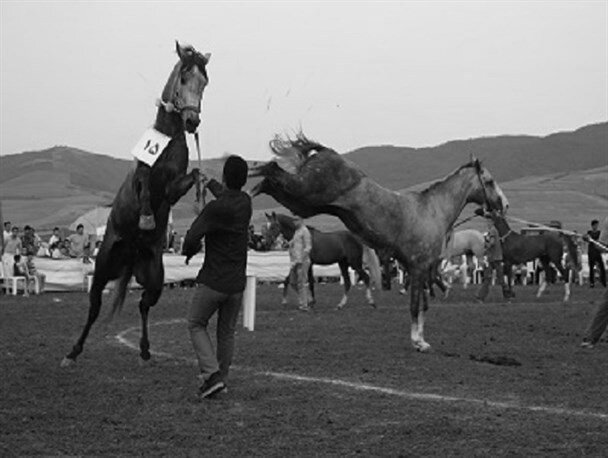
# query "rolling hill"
(559, 176)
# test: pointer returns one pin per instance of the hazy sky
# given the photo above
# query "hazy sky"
(350, 74)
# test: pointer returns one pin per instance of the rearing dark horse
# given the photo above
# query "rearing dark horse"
(341, 247)
(137, 224)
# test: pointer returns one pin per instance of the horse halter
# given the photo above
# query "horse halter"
(486, 201)
(172, 107)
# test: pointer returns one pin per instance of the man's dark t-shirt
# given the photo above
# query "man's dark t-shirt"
(592, 249)
(224, 223)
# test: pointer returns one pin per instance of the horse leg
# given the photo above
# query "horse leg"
(417, 315)
(346, 277)
(100, 279)
(150, 274)
(311, 286)
(363, 275)
(542, 279)
(566, 276)
(286, 284)
(142, 185)
(180, 186)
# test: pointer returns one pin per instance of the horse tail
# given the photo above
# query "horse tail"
(121, 291)
(373, 263)
(572, 250)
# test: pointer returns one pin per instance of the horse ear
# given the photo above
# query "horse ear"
(178, 49)
(207, 57)
(477, 164)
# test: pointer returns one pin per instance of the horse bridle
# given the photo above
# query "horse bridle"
(483, 187)
(173, 107)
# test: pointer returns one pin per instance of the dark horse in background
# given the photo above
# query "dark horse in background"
(137, 224)
(340, 247)
(547, 247)
(308, 179)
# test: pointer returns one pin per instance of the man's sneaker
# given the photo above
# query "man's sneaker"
(212, 386)
(587, 344)
(304, 308)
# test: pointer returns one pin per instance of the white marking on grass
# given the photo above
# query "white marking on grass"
(122, 339)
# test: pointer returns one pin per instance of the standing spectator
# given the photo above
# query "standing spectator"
(6, 233)
(594, 255)
(221, 281)
(299, 256)
(20, 270)
(29, 241)
(600, 320)
(493, 250)
(12, 246)
(79, 244)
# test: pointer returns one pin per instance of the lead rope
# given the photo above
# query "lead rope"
(554, 229)
(201, 193)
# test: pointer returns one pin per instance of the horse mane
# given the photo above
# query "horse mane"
(292, 153)
(440, 181)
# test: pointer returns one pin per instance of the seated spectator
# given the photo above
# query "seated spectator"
(55, 238)
(60, 250)
(20, 270)
(33, 272)
(79, 244)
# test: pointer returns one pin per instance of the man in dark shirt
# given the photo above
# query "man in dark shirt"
(224, 224)
(594, 255)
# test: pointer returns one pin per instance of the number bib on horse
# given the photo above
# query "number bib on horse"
(150, 146)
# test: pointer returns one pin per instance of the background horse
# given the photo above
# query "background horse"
(340, 247)
(412, 225)
(547, 247)
(467, 242)
(127, 249)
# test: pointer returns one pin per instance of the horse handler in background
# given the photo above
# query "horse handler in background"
(224, 223)
(600, 320)
(300, 247)
(493, 249)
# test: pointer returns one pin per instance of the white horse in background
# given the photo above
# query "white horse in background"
(468, 243)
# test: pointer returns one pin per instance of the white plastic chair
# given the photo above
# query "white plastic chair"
(11, 282)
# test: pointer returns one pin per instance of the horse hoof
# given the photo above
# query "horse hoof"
(339, 307)
(372, 305)
(147, 223)
(422, 347)
(67, 362)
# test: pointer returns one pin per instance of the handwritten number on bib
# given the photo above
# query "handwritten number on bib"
(152, 148)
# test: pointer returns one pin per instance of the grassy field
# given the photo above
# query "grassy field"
(304, 384)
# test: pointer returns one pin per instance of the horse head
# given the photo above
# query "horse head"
(486, 191)
(305, 176)
(279, 224)
(497, 218)
(184, 89)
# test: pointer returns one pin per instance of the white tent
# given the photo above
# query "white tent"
(94, 221)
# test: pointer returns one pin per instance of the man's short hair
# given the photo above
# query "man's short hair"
(594, 222)
(235, 172)
(7, 223)
(55, 229)
(80, 226)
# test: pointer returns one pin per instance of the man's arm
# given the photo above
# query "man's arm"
(215, 187)
(202, 225)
